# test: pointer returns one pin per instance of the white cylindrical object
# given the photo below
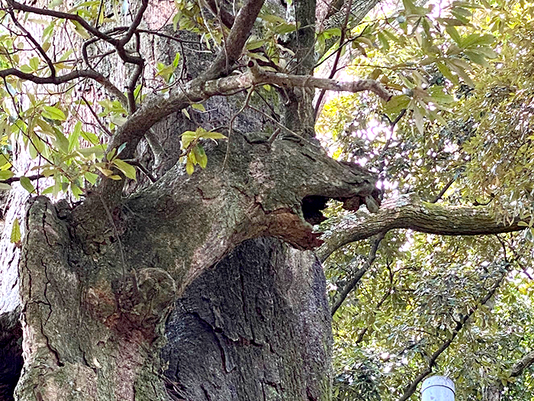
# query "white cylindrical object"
(438, 388)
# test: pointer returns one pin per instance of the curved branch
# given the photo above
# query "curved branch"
(15, 5)
(408, 211)
(62, 79)
(522, 364)
(359, 274)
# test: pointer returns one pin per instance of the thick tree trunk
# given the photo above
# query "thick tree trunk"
(255, 327)
(98, 282)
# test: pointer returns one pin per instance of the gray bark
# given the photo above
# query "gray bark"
(256, 327)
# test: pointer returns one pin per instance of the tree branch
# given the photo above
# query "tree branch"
(408, 211)
(62, 79)
(236, 40)
(199, 90)
(62, 15)
(225, 17)
(359, 274)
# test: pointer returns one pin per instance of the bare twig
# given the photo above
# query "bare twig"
(62, 15)
(338, 56)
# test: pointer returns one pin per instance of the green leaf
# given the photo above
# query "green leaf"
(62, 142)
(199, 107)
(200, 156)
(96, 151)
(91, 177)
(6, 174)
(121, 148)
(27, 184)
(127, 169)
(74, 137)
(396, 104)
(255, 44)
(189, 166)
(34, 63)
(476, 57)
(176, 60)
(477, 40)
(90, 137)
(438, 95)
(453, 33)
(76, 190)
(15, 232)
(284, 28)
(212, 135)
(4, 186)
(53, 113)
(487, 52)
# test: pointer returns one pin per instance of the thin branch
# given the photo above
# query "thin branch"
(62, 79)
(138, 70)
(143, 169)
(62, 15)
(96, 117)
(37, 46)
(16, 179)
(336, 60)
(444, 189)
(134, 25)
(359, 274)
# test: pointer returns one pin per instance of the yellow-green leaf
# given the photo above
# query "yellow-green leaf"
(27, 184)
(15, 232)
(127, 169)
(213, 135)
(53, 113)
(199, 107)
(189, 167)
(6, 174)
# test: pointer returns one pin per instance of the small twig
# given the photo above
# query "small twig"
(231, 124)
(336, 60)
(104, 128)
(443, 190)
(16, 179)
(143, 169)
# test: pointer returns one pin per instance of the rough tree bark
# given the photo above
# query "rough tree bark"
(98, 281)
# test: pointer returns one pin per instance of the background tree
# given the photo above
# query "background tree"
(408, 304)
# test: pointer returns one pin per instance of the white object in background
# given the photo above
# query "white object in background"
(438, 388)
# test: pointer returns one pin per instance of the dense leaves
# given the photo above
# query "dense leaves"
(458, 131)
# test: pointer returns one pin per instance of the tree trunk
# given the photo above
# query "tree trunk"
(256, 327)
